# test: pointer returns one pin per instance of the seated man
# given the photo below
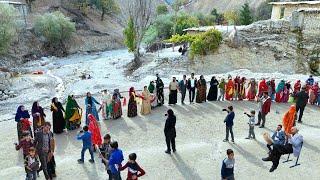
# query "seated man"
(293, 145)
(278, 137)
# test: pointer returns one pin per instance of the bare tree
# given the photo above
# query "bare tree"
(141, 12)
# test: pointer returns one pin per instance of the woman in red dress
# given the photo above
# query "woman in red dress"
(95, 131)
(229, 90)
(252, 90)
(263, 87)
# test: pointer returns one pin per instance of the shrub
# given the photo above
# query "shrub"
(162, 9)
(185, 21)
(55, 28)
(164, 26)
(130, 36)
(205, 20)
(232, 16)
(8, 26)
(246, 15)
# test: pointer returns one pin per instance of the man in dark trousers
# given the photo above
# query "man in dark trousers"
(44, 143)
(160, 86)
(183, 88)
(170, 131)
(265, 105)
(229, 123)
(301, 102)
(192, 83)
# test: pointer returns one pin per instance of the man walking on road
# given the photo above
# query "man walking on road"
(301, 102)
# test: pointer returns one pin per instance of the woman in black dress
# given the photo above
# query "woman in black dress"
(213, 91)
(38, 116)
(58, 120)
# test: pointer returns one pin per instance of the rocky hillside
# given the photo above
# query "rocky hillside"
(205, 6)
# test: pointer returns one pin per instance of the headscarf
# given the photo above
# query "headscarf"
(54, 105)
(131, 90)
(280, 86)
(288, 119)
(263, 87)
(35, 108)
(70, 107)
(21, 114)
(95, 130)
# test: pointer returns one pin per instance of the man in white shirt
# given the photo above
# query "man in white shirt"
(293, 145)
(192, 87)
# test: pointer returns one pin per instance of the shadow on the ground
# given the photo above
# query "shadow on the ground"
(184, 169)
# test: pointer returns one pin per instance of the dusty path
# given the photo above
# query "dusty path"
(200, 150)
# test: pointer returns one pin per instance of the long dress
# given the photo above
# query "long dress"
(252, 90)
(289, 118)
(95, 130)
(23, 123)
(242, 89)
(314, 93)
(90, 103)
(116, 107)
(279, 91)
(105, 102)
(132, 105)
(201, 91)
(285, 95)
(146, 105)
(73, 114)
(236, 87)
(173, 92)
(229, 90)
(58, 120)
(213, 91)
(38, 116)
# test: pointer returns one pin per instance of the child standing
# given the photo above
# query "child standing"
(134, 170)
(228, 166)
(251, 124)
(31, 164)
(25, 143)
(85, 136)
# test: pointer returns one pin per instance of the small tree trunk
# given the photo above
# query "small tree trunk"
(102, 15)
(136, 59)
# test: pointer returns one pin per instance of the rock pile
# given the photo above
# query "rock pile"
(5, 93)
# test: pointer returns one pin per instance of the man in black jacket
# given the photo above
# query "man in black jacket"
(170, 131)
(192, 83)
(301, 102)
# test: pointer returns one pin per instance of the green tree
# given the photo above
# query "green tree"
(218, 17)
(162, 9)
(8, 26)
(56, 29)
(205, 20)
(130, 36)
(246, 17)
(109, 7)
(232, 16)
(184, 21)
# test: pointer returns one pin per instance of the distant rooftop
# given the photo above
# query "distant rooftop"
(12, 2)
(295, 3)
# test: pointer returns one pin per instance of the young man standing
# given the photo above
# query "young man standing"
(229, 123)
(183, 88)
(192, 82)
(265, 105)
(228, 166)
(301, 102)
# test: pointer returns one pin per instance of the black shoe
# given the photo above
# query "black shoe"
(272, 169)
(266, 159)
(232, 141)
(80, 161)
(168, 152)
(174, 150)
(91, 161)
(225, 140)
(257, 124)
(247, 138)
(261, 126)
(299, 121)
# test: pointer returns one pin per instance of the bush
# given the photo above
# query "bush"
(232, 16)
(55, 28)
(130, 36)
(164, 26)
(201, 44)
(185, 21)
(162, 9)
(8, 26)
(246, 15)
(205, 20)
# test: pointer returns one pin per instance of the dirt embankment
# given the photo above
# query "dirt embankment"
(92, 34)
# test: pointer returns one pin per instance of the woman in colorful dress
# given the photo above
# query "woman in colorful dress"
(152, 90)
(58, 120)
(23, 123)
(263, 87)
(146, 101)
(73, 114)
(279, 91)
(229, 90)
(95, 131)
(289, 119)
(116, 105)
(213, 91)
(285, 94)
(252, 90)
(90, 103)
(313, 93)
(105, 101)
(201, 90)
(297, 87)
(132, 105)
(38, 116)
(242, 89)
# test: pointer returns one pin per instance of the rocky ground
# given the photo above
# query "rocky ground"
(200, 150)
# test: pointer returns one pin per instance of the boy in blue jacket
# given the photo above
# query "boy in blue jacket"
(228, 166)
(229, 123)
(115, 160)
(85, 136)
